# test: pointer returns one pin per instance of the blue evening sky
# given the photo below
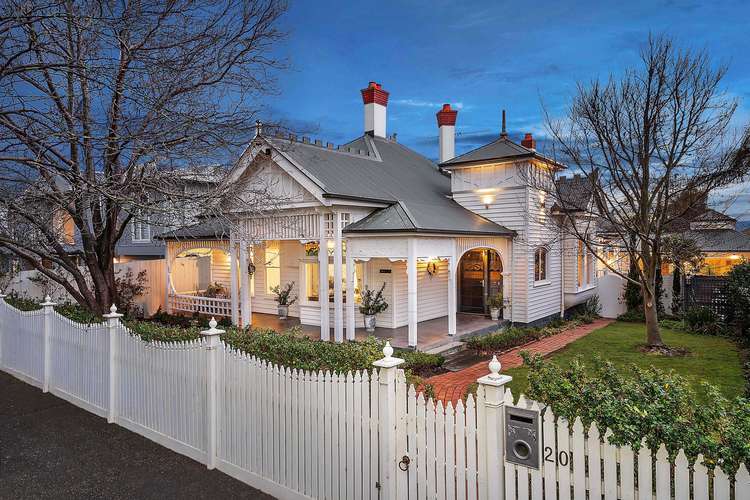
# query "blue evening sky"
(482, 57)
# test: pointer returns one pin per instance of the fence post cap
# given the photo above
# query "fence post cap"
(494, 378)
(48, 302)
(3, 295)
(388, 361)
(212, 330)
(113, 313)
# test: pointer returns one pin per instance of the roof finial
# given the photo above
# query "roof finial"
(258, 128)
(503, 133)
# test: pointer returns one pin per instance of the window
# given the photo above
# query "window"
(540, 264)
(581, 263)
(312, 279)
(586, 265)
(273, 266)
(140, 229)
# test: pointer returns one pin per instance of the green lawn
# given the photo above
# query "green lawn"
(713, 359)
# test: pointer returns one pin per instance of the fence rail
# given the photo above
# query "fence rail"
(361, 435)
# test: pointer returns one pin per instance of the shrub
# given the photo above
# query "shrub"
(514, 336)
(22, 303)
(129, 288)
(592, 307)
(738, 288)
(704, 321)
(421, 363)
(78, 313)
(632, 316)
(646, 404)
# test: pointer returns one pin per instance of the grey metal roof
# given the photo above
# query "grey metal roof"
(501, 149)
(379, 169)
(711, 215)
(719, 240)
(212, 229)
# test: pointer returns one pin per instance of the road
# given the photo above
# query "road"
(52, 449)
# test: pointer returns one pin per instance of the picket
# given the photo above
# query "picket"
(305, 434)
(700, 480)
(663, 475)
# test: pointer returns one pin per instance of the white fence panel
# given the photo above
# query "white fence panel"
(23, 344)
(162, 392)
(79, 363)
(297, 434)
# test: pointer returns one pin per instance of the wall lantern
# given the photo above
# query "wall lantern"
(432, 268)
(734, 256)
(487, 200)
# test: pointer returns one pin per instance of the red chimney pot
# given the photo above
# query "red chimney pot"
(374, 93)
(528, 142)
(446, 116)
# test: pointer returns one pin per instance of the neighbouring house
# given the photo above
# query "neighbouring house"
(137, 250)
(714, 233)
(440, 239)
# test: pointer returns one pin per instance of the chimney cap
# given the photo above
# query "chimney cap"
(446, 116)
(374, 93)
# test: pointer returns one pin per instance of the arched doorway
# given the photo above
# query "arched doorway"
(480, 276)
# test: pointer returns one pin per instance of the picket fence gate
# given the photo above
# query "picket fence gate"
(303, 434)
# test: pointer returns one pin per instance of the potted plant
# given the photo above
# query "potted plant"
(284, 298)
(496, 305)
(372, 304)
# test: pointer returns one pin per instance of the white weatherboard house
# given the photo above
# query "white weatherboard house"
(442, 238)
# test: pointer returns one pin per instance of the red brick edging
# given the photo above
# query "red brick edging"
(452, 386)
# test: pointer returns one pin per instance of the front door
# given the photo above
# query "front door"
(480, 277)
(472, 282)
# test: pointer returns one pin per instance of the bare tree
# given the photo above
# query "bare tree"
(657, 133)
(105, 105)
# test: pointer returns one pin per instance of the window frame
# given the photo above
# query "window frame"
(541, 272)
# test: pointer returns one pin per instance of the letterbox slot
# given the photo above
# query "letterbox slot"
(519, 418)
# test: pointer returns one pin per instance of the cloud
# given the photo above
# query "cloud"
(419, 103)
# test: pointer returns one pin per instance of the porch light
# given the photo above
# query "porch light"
(488, 199)
(734, 256)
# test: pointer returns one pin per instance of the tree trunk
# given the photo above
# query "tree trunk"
(653, 335)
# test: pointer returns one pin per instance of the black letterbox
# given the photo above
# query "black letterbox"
(522, 437)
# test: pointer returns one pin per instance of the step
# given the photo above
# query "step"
(462, 360)
(446, 348)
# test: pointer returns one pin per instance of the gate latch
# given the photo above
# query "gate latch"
(404, 463)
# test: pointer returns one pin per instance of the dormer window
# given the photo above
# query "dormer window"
(540, 264)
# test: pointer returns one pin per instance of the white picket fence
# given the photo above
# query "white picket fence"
(299, 434)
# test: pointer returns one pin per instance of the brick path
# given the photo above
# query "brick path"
(452, 386)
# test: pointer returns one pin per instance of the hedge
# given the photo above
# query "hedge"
(649, 404)
(508, 338)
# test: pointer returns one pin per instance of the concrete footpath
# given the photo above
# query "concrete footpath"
(52, 449)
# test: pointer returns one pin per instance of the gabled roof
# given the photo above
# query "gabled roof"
(381, 170)
(500, 149)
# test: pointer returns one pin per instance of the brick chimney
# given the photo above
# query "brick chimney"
(529, 142)
(446, 120)
(375, 100)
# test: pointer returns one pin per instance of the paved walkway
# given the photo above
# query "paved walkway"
(452, 386)
(52, 449)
